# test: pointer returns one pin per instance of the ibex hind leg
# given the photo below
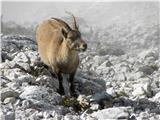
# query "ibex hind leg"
(61, 88)
(41, 64)
(58, 75)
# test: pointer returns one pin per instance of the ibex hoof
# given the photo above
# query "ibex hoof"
(61, 92)
(74, 94)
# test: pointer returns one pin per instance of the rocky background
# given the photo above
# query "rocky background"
(112, 85)
(118, 76)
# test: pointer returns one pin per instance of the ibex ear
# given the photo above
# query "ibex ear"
(64, 33)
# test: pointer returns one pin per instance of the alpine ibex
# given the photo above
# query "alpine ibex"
(58, 46)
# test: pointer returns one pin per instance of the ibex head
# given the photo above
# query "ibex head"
(72, 36)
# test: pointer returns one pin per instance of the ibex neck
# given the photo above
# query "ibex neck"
(63, 53)
(66, 55)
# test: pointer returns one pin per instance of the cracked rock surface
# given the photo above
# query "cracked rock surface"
(111, 86)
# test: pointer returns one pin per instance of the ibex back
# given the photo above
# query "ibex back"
(58, 46)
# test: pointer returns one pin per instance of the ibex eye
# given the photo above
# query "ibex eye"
(71, 37)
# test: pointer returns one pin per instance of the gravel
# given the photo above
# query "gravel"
(123, 86)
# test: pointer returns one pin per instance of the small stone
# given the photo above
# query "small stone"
(4, 81)
(40, 114)
(26, 104)
(100, 96)
(98, 59)
(137, 75)
(46, 114)
(25, 66)
(112, 113)
(33, 55)
(94, 106)
(8, 116)
(13, 85)
(41, 94)
(149, 53)
(4, 65)
(9, 100)
(21, 57)
(120, 77)
(25, 78)
(146, 69)
(85, 116)
(89, 86)
(141, 89)
(157, 97)
(6, 92)
(18, 103)
(111, 91)
(71, 117)
(11, 74)
(48, 81)
(32, 114)
(33, 117)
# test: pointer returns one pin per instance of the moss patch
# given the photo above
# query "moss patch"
(72, 102)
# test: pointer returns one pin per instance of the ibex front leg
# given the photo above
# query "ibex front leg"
(72, 88)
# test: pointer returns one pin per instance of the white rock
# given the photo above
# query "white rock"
(94, 106)
(4, 81)
(6, 92)
(120, 77)
(13, 85)
(98, 59)
(143, 115)
(112, 113)
(157, 97)
(4, 65)
(89, 86)
(31, 114)
(26, 104)
(8, 116)
(149, 53)
(71, 117)
(25, 78)
(46, 114)
(86, 116)
(40, 114)
(100, 96)
(11, 73)
(111, 91)
(9, 100)
(144, 80)
(40, 93)
(33, 56)
(146, 69)
(142, 89)
(16, 75)
(103, 69)
(48, 81)
(25, 66)
(21, 57)
(22, 60)
(135, 75)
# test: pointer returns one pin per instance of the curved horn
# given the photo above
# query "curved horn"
(74, 23)
(62, 23)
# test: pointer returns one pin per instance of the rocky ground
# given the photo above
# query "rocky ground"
(111, 86)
